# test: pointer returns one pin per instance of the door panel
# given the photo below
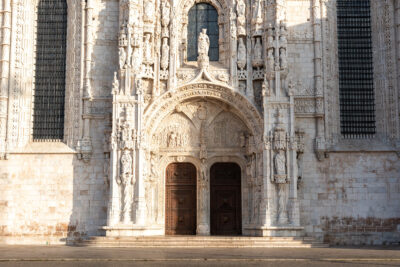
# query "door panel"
(225, 201)
(180, 216)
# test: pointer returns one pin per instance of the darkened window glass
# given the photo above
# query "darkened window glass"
(203, 16)
(356, 84)
(48, 113)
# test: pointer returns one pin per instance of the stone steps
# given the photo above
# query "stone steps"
(202, 242)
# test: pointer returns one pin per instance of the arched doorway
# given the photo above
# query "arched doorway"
(180, 209)
(225, 199)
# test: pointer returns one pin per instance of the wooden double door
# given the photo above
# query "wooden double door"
(225, 199)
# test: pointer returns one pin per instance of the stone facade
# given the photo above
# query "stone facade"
(134, 104)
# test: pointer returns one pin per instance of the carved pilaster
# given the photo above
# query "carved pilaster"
(320, 145)
(5, 73)
(84, 146)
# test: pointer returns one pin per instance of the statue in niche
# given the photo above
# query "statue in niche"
(122, 57)
(204, 43)
(233, 25)
(241, 17)
(203, 47)
(241, 61)
(149, 7)
(115, 84)
(257, 16)
(148, 56)
(204, 191)
(283, 58)
(270, 60)
(126, 136)
(165, 13)
(257, 54)
(165, 54)
(270, 39)
(280, 163)
(136, 58)
(126, 167)
(283, 36)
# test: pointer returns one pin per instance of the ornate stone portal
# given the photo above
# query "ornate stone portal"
(207, 117)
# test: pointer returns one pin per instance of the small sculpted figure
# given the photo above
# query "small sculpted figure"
(204, 43)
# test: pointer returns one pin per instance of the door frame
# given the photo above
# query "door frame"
(167, 159)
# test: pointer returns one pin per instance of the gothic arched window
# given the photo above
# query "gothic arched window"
(356, 77)
(49, 93)
(203, 16)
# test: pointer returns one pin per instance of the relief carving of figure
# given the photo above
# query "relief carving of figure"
(241, 17)
(148, 55)
(172, 139)
(149, 7)
(241, 61)
(165, 54)
(204, 43)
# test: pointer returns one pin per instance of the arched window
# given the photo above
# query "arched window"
(203, 16)
(49, 93)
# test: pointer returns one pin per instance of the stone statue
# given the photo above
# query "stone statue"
(270, 60)
(165, 54)
(122, 57)
(115, 84)
(165, 13)
(241, 60)
(136, 58)
(283, 58)
(204, 192)
(126, 167)
(204, 43)
(149, 11)
(148, 56)
(241, 17)
(257, 54)
(280, 163)
(258, 50)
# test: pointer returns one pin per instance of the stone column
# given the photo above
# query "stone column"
(140, 196)
(203, 225)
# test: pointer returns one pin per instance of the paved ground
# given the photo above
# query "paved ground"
(63, 256)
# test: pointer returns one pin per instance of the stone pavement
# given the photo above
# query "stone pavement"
(61, 256)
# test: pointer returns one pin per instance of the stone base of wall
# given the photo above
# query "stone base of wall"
(361, 231)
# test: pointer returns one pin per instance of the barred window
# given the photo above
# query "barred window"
(203, 16)
(49, 93)
(356, 85)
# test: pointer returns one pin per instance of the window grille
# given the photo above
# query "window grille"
(203, 16)
(356, 85)
(49, 93)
